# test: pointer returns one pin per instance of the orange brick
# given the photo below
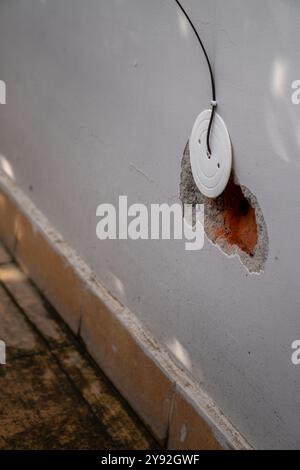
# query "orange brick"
(188, 430)
(135, 374)
(8, 213)
(50, 271)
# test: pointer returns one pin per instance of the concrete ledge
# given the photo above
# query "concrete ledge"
(176, 410)
(50, 270)
(126, 362)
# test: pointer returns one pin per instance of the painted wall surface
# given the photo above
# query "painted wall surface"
(101, 99)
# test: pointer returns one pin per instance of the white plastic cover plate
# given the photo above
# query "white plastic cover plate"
(211, 175)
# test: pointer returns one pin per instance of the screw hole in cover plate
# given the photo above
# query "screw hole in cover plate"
(211, 172)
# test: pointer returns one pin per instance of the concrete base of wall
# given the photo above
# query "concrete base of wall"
(176, 410)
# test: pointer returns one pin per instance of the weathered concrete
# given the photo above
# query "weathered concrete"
(51, 395)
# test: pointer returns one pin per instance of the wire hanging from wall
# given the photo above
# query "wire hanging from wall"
(213, 87)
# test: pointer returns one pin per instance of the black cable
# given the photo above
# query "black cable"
(213, 87)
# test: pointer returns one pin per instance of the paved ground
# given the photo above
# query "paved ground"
(52, 396)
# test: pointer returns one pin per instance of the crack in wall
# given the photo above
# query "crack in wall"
(233, 222)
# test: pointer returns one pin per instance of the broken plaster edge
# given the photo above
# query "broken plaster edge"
(254, 265)
(225, 433)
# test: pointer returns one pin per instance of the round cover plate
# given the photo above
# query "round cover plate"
(211, 175)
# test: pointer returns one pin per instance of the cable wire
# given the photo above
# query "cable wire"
(213, 87)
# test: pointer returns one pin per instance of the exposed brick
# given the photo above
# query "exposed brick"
(239, 220)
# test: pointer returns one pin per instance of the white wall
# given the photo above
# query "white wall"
(101, 98)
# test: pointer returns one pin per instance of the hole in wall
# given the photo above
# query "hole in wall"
(234, 221)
